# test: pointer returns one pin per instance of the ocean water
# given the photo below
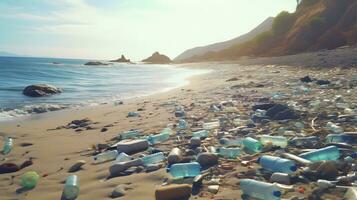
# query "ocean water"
(82, 85)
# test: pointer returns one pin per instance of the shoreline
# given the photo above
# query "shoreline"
(55, 150)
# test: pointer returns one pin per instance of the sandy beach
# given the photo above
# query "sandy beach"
(55, 150)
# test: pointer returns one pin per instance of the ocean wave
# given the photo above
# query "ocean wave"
(6, 114)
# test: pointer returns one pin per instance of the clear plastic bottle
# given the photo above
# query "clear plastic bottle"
(260, 190)
(210, 125)
(200, 134)
(229, 152)
(8, 145)
(128, 134)
(276, 164)
(182, 170)
(105, 156)
(327, 153)
(307, 142)
(231, 142)
(279, 141)
(182, 124)
(153, 158)
(162, 137)
(123, 157)
(71, 187)
(29, 179)
(252, 145)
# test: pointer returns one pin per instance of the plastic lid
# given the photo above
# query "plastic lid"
(277, 193)
(293, 168)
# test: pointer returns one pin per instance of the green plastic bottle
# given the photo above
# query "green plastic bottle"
(252, 145)
(8, 144)
(29, 179)
(71, 187)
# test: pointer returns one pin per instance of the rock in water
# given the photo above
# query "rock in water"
(96, 63)
(77, 166)
(40, 90)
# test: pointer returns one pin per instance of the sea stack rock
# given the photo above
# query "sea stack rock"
(40, 90)
(122, 59)
(157, 58)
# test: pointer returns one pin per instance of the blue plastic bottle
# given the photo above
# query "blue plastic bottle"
(200, 134)
(327, 153)
(133, 114)
(153, 158)
(252, 145)
(182, 170)
(231, 142)
(276, 164)
(182, 124)
(128, 134)
(162, 137)
(260, 190)
(229, 152)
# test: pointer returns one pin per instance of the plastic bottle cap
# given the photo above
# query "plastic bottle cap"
(293, 168)
(277, 193)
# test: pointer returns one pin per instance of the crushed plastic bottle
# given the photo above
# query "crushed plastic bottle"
(279, 141)
(229, 152)
(231, 142)
(182, 170)
(276, 164)
(200, 134)
(29, 180)
(162, 137)
(8, 145)
(210, 125)
(153, 158)
(71, 187)
(260, 190)
(327, 153)
(128, 134)
(252, 145)
(105, 156)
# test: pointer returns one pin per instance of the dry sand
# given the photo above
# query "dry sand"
(54, 151)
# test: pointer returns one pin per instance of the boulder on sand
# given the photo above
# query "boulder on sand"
(40, 90)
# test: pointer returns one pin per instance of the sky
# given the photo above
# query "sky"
(105, 29)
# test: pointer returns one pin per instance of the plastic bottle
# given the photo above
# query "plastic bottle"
(231, 142)
(276, 164)
(334, 128)
(182, 124)
(252, 145)
(29, 179)
(105, 156)
(260, 190)
(71, 187)
(182, 170)
(327, 153)
(200, 134)
(123, 157)
(307, 142)
(229, 152)
(132, 146)
(8, 145)
(133, 114)
(153, 158)
(175, 156)
(162, 137)
(279, 141)
(210, 125)
(128, 134)
(341, 138)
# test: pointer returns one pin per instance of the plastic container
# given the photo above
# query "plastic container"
(252, 145)
(182, 170)
(231, 142)
(276, 164)
(229, 152)
(175, 156)
(260, 190)
(71, 187)
(162, 137)
(132, 146)
(8, 145)
(153, 158)
(200, 134)
(327, 153)
(182, 124)
(210, 125)
(123, 157)
(29, 180)
(128, 134)
(279, 141)
(105, 156)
